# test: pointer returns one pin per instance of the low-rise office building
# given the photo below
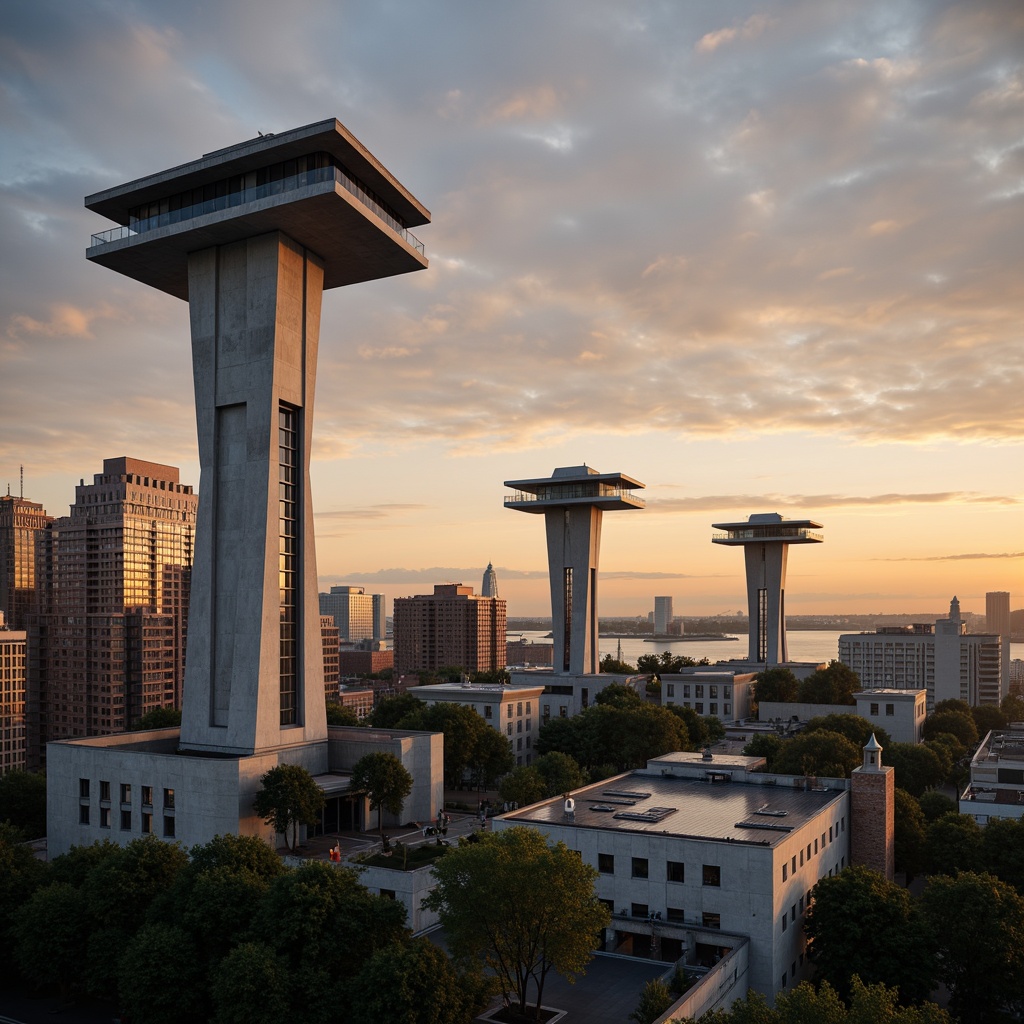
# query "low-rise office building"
(996, 786)
(710, 691)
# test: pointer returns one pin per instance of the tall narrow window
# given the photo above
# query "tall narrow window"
(567, 645)
(288, 484)
(762, 624)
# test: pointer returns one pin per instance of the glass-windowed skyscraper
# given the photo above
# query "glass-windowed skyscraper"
(23, 527)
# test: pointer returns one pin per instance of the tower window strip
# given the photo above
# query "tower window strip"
(567, 625)
(288, 560)
(762, 624)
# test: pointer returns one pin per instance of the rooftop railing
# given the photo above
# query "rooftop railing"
(768, 533)
(249, 195)
(574, 493)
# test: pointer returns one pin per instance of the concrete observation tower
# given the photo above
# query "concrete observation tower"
(250, 236)
(765, 538)
(573, 501)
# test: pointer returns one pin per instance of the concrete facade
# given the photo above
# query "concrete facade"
(901, 713)
(13, 725)
(357, 614)
(714, 692)
(765, 539)
(996, 786)
(695, 855)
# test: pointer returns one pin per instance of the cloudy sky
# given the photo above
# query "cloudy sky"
(762, 257)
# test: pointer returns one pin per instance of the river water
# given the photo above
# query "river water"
(804, 645)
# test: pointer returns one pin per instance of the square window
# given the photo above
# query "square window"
(874, 709)
(519, 743)
(529, 725)
(104, 790)
(670, 689)
(147, 796)
(508, 708)
(698, 691)
(83, 789)
(168, 826)
(606, 863)
(508, 728)
(713, 709)
(712, 874)
(488, 711)
(639, 867)
(83, 814)
(686, 689)
(639, 910)
(890, 709)
(711, 920)
(104, 817)
(727, 692)
(698, 706)
(147, 824)
(675, 914)
(388, 894)
(126, 793)
(726, 709)
(126, 821)
(168, 798)
(519, 726)
(713, 692)
(519, 708)
(675, 871)
(528, 707)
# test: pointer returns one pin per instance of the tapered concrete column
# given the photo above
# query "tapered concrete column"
(255, 315)
(766, 602)
(574, 553)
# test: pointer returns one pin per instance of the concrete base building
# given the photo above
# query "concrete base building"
(357, 614)
(697, 855)
(996, 787)
(717, 692)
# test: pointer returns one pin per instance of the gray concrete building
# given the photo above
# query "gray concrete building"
(250, 236)
(12, 698)
(357, 614)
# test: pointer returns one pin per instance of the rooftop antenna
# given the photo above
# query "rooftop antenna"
(22, 469)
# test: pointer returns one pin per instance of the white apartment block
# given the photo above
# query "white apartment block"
(726, 695)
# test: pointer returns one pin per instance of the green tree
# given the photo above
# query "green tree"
(289, 797)
(956, 723)
(491, 757)
(934, 805)
(392, 710)
(776, 684)
(988, 717)
(1002, 850)
(618, 696)
(417, 983)
(322, 925)
(569, 736)
(522, 907)
(384, 780)
(622, 668)
(523, 785)
(20, 875)
(154, 956)
(73, 867)
(856, 729)
(910, 840)
(560, 772)
(978, 923)
(834, 684)
(918, 767)
(50, 932)
(250, 986)
(157, 718)
(23, 802)
(338, 714)
(766, 745)
(236, 853)
(859, 903)
(818, 753)
(1013, 707)
(655, 999)
(954, 844)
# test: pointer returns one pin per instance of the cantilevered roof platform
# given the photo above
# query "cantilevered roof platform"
(317, 184)
(574, 485)
(768, 527)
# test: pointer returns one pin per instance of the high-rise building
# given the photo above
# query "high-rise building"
(356, 613)
(765, 538)
(942, 659)
(23, 527)
(453, 626)
(380, 618)
(997, 620)
(12, 698)
(573, 501)
(489, 587)
(109, 640)
(329, 639)
(662, 615)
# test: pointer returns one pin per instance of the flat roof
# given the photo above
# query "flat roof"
(736, 811)
(484, 690)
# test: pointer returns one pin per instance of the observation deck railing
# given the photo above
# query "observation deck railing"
(768, 533)
(555, 496)
(248, 195)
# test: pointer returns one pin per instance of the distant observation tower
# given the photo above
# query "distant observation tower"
(573, 501)
(765, 538)
(489, 586)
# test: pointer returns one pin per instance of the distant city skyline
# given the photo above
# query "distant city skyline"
(765, 257)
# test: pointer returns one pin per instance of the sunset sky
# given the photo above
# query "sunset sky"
(762, 257)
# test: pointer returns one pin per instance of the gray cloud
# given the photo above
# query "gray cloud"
(955, 558)
(704, 220)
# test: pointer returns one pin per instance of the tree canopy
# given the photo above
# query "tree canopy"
(158, 718)
(860, 924)
(856, 729)
(775, 684)
(834, 684)
(817, 753)
(956, 723)
(289, 798)
(23, 801)
(338, 714)
(384, 780)
(522, 907)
